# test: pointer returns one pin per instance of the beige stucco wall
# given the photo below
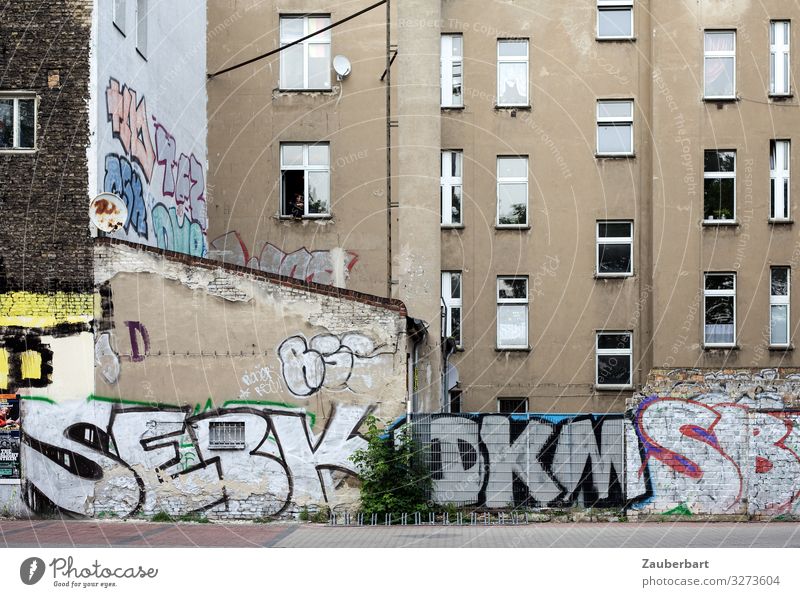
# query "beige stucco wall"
(182, 346)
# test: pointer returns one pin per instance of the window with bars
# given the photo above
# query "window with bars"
(226, 435)
(512, 406)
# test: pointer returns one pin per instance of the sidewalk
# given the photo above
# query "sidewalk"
(74, 533)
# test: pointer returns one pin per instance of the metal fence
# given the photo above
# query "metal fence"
(523, 461)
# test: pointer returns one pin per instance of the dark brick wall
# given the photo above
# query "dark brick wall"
(44, 233)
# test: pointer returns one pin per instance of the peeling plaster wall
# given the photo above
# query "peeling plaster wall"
(182, 351)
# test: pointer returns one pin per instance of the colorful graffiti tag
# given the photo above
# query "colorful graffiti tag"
(167, 211)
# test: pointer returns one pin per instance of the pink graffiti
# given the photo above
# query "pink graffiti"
(183, 178)
(128, 120)
(730, 455)
(302, 264)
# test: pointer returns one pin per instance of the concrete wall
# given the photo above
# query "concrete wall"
(181, 346)
(150, 122)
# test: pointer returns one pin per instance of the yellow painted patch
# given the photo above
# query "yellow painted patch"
(31, 365)
(3, 368)
(32, 310)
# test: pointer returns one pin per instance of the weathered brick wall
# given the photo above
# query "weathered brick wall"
(44, 48)
(716, 442)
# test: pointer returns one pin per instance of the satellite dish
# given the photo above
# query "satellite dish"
(108, 212)
(341, 64)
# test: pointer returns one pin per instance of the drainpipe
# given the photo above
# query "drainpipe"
(417, 332)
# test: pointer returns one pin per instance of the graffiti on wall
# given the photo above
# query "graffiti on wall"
(167, 211)
(497, 461)
(711, 454)
(94, 456)
(321, 267)
(351, 362)
(259, 382)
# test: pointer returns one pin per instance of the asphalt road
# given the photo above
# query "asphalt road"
(72, 533)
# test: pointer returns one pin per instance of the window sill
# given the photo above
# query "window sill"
(453, 108)
(512, 227)
(631, 38)
(523, 107)
(720, 347)
(512, 349)
(17, 150)
(304, 218)
(780, 97)
(718, 223)
(721, 100)
(10, 481)
(612, 276)
(452, 226)
(780, 222)
(118, 28)
(614, 156)
(788, 348)
(610, 388)
(323, 90)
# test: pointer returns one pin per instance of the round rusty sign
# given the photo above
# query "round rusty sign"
(108, 212)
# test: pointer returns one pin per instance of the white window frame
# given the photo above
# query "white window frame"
(451, 302)
(514, 60)
(512, 180)
(448, 62)
(118, 15)
(141, 27)
(502, 302)
(719, 54)
(320, 38)
(16, 96)
(613, 240)
(614, 5)
(780, 157)
(601, 352)
(616, 121)
(524, 401)
(721, 175)
(780, 65)
(448, 184)
(714, 293)
(781, 300)
(306, 168)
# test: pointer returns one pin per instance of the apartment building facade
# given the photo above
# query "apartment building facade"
(580, 192)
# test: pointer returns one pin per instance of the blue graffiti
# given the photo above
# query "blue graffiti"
(122, 180)
(184, 237)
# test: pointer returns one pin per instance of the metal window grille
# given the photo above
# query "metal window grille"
(226, 435)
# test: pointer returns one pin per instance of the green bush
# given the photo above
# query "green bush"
(392, 479)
